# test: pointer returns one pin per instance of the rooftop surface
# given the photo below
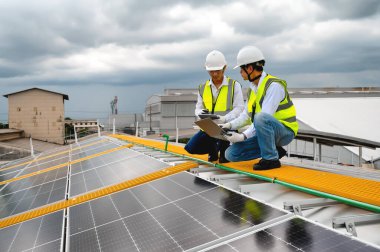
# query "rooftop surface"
(356, 117)
(122, 193)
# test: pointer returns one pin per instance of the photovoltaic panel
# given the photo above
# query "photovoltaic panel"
(92, 149)
(56, 151)
(30, 193)
(35, 191)
(17, 161)
(13, 169)
(296, 235)
(110, 169)
(43, 163)
(40, 234)
(38, 166)
(171, 214)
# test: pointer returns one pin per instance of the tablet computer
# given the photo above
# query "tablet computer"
(212, 116)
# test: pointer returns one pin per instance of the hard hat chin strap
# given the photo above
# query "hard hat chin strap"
(249, 75)
(252, 80)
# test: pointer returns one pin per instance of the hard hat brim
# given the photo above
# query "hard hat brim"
(214, 68)
(236, 66)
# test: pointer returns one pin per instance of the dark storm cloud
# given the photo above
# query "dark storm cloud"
(119, 43)
(349, 9)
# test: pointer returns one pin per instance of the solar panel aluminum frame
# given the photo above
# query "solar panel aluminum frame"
(241, 234)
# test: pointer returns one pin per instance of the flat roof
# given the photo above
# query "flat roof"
(332, 139)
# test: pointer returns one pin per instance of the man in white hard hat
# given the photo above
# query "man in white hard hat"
(270, 110)
(222, 96)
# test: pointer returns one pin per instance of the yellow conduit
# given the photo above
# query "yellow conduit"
(359, 189)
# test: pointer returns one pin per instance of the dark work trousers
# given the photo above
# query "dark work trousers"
(201, 143)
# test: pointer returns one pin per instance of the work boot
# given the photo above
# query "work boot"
(264, 164)
(281, 152)
(223, 159)
(212, 157)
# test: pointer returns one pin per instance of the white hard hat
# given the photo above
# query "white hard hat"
(247, 55)
(215, 61)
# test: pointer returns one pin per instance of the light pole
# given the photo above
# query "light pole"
(176, 123)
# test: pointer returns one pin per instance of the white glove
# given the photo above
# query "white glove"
(226, 126)
(235, 137)
(221, 119)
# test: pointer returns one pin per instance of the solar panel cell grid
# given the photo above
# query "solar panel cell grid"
(38, 234)
(23, 199)
(112, 157)
(175, 213)
(89, 150)
(17, 162)
(44, 164)
(296, 235)
(163, 215)
(48, 247)
(84, 242)
(96, 173)
(114, 237)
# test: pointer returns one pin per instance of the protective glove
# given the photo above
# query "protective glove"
(234, 137)
(225, 126)
(221, 119)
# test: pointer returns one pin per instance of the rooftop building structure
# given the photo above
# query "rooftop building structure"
(334, 110)
(39, 113)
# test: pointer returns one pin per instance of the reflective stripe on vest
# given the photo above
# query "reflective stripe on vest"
(286, 112)
(223, 102)
(251, 104)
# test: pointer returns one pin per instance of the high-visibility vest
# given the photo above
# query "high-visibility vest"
(223, 102)
(285, 113)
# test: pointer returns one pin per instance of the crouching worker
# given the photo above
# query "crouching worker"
(270, 110)
(222, 96)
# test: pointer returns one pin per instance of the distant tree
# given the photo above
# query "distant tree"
(69, 129)
(4, 126)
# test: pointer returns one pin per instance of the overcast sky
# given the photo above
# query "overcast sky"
(93, 50)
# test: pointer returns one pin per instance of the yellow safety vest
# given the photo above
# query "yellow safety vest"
(285, 113)
(223, 103)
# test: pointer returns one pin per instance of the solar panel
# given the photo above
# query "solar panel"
(26, 194)
(175, 213)
(47, 161)
(17, 161)
(296, 235)
(40, 234)
(92, 149)
(110, 169)
(38, 190)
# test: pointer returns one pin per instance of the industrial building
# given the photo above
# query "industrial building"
(39, 113)
(171, 110)
(164, 113)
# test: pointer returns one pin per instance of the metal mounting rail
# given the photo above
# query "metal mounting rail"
(179, 151)
(349, 221)
(298, 205)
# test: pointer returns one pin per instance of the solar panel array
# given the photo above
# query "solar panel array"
(181, 212)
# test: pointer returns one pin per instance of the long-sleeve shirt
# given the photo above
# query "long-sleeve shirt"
(274, 95)
(238, 102)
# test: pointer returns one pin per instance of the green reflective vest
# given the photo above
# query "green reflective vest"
(285, 113)
(223, 102)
